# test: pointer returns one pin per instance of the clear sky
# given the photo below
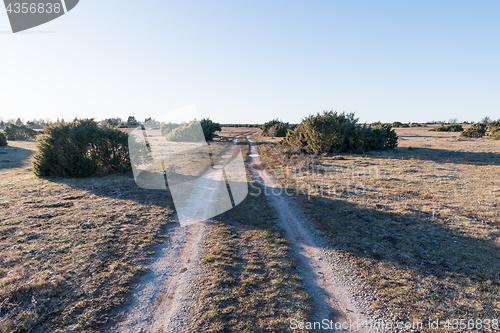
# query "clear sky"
(251, 61)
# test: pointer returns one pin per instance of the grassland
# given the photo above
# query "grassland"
(70, 249)
(421, 222)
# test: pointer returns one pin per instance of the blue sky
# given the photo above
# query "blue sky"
(251, 61)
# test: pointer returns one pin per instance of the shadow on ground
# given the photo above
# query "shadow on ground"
(14, 157)
(446, 156)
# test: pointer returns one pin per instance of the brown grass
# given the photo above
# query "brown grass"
(420, 222)
(70, 249)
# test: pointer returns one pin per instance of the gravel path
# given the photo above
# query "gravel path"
(323, 274)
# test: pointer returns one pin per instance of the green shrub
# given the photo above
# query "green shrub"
(3, 140)
(165, 128)
(398, 124)
(476, 130)
(19, 132)
(209, 128)
(190, 132)
(81, 148)
(448, 128)
(494, 127)
(131, 121)
(339, 132)
(276, 128)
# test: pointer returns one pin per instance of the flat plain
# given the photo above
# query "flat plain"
(421, 223)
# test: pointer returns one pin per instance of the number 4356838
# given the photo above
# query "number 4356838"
(34, 8)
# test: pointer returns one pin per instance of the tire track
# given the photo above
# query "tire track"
(327, 288)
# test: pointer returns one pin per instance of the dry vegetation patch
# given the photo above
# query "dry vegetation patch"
(421, 222)
(70, 249)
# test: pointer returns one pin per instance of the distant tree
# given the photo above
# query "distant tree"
(209, 128)
(19, 122)
(486, 120)
(131, 121)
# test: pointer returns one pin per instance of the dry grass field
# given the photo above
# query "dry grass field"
(421, 223)
(71, 251)
(70, 248)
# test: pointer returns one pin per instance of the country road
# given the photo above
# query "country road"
(166, 294)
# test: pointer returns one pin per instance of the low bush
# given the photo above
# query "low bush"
(209, 128)
(276, 128)
(333, 132)
(448, 128)
(399, 124)
(494, 127)
(190, 132)
(166, 128)
(81, 148)
(3, 140)
(19, 132)
(476, 130)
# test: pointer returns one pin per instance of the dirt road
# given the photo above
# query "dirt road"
(326, 286)
(164, 298)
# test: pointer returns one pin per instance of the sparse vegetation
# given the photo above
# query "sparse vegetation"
(448, 128)
(332, 132)
(477, 130)
(19, 132)
(81, 148)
